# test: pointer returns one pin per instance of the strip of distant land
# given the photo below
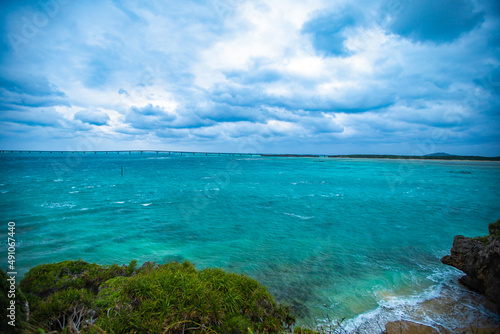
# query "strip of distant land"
(434, 156)
(387, 156)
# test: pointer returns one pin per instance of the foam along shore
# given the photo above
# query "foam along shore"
(446, 307)
(479, 259)
(457, 304)
(86, 296)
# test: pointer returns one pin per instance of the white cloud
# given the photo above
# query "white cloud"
(252, 71)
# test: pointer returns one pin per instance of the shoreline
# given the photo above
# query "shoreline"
(268, 155)
(446, 307)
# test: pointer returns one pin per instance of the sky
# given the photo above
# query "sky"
(255, 76)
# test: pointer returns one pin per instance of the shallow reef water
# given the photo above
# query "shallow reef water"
(334, 238)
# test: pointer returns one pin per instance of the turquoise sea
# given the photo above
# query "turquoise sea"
(333, 238)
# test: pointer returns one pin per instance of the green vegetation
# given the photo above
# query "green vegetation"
(494, 229)
(419, 157)
(439, 156)
(79, 297)
(300, 330)
(8, 292)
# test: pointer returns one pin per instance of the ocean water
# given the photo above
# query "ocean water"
(359, 240)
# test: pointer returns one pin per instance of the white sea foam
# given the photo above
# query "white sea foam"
(53, 205)
(389, 309)
(147, 204)
(118, 202)
(297, 216)
(459, 307)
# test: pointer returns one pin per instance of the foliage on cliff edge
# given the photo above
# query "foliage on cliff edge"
(79, 297)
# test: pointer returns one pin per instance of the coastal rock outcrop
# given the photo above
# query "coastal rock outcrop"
(409, 327)
(479, 259)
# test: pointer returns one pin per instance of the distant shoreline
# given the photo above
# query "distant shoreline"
(348, 156)
(411, 157)
(388, 157)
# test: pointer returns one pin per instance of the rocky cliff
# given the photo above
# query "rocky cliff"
(479, 259)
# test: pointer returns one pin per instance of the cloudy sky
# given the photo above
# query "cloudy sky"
(282, 76)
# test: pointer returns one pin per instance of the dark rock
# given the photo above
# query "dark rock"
(410, 327)
(479, 259)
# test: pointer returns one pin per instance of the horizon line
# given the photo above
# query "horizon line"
(360, 155)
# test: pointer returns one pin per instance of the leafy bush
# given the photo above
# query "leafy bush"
(69, 308)
(494, 229)
(5, 303)
(300, 330)
(179, 298)
(79, 297)
(45, 279)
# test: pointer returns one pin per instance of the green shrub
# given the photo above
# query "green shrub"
(78, 297)
(73, 308)
(179, 298)
(46, 279)
(494, 229)
(5, 302)
(300, 330)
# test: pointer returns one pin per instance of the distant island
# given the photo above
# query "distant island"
(433, 156)
(439, 154)
(436, 156)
